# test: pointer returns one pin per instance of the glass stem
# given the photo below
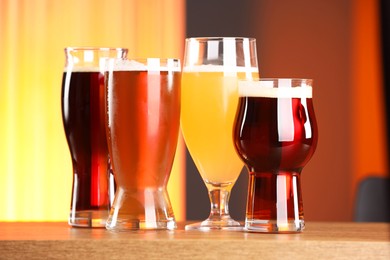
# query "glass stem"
(219, 199)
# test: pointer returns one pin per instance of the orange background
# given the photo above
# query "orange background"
(35, 164)
(335, 42)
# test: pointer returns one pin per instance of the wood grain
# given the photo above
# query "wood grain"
(319, 241)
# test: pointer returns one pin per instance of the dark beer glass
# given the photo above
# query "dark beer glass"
(275, 134)
(83, 119)
(143, 113)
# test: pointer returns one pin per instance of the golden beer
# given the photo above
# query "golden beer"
(209, 103)
(212, 67)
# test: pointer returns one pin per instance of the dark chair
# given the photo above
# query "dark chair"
(373, 200)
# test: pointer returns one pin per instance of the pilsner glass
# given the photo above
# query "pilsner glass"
(275, 135)
(83, 119)
(143, 120)
(211, 69)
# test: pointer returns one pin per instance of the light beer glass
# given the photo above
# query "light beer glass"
(211, 69)
(83, 118)
(275, 135)
(143, 120)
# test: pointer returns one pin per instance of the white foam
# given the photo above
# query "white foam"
(266, 89)
(124, 65)
(88, 65)
(219, 68)
(82, 69)
(151, 64)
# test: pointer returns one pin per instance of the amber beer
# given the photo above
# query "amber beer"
(83, 117)
(275, 135)
(143, 102)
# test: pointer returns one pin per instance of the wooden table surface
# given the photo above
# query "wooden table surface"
(327, 240)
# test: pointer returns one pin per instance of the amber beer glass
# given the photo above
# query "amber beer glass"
(275, 135)
(143, 113)
(83, 119)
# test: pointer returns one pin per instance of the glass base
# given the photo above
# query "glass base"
(141, 209)
(88, 218)
(272, 226)
(125, 224)
(228, 224)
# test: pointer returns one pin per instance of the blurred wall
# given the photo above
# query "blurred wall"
(335, 43)
(313, 39)
(35, 164)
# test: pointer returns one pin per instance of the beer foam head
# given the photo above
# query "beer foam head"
(90, 65)
(83, 69)
(149, 64)
(124, 65)
(267, 88)
(219, 68)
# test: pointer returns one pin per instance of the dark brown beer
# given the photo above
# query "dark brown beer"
(275, 137)
(83, 118)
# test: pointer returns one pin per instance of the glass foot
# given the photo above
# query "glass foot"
(142, 209)
(129, 224)
(272, 226)
(228, 224)
(88, 218)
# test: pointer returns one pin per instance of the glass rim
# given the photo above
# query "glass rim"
(147, 58)
(141, 64)
(276, 79)
(216, 38)
(77, 48)
(175, 61)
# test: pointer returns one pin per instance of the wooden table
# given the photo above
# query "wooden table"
(326, 240)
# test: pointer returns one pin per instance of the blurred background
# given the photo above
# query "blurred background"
(337, 43)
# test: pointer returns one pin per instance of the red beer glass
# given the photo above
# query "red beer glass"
(275, 134)
(143, 113)
(83, 118)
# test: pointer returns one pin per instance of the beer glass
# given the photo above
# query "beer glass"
(83, 119)
(275, 135)
(143, 120)
(211, 69)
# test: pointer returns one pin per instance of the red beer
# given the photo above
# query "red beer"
(143, 113)
(275, 135)
(83, 118)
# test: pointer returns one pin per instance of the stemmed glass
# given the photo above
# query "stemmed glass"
(212, 67)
